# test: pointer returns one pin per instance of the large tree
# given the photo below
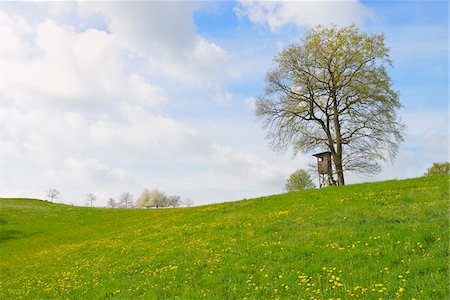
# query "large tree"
(331, 92)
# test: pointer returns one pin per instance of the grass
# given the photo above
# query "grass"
(380, 240)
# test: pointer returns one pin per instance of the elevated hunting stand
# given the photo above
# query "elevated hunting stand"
(325, 169)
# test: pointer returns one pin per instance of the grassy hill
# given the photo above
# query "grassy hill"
(378, 240)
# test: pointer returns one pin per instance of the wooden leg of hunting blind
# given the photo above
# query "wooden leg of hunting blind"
(326, 180)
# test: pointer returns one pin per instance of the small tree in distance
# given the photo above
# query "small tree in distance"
(438, 169)
(126, 200)
(91, 198)
(298, 181)
(188, 202)
(157, 199)
(52, 194)
(153, 198)
(111, 203)
(174, 201)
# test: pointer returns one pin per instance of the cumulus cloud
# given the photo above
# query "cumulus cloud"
(72, 69)
(430, 139)
(146, 27)
(14, 29)
(164, 33)
(277, 14)
(82, 170)
(143, 134)
(252, 166)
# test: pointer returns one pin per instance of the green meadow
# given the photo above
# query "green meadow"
(379, 240)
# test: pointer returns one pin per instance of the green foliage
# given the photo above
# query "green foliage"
(438, 169)
(380, 240)
(298, 181)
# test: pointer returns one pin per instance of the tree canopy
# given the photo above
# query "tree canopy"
(331, 92)
(158, 199)
(438, 169)
(298, 181)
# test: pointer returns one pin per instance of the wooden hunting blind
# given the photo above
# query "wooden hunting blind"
(324, 168)
(323, 162)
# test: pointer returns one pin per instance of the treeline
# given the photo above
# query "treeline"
(148, 199)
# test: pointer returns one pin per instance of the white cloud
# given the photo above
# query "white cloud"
(430, 139)
(277, 14)
(146, 27)
(206, 64)
(13, 30)
(250, 102)
(164, 32)
(82, 170)
(41, 136)
(72, 69)
(144, 134)
(249, 165)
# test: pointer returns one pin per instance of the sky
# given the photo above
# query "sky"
(112, 97)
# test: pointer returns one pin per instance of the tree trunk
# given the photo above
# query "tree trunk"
(337, 158)
(340, 173)
(338, 162)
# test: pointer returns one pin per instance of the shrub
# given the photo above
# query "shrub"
(438, 169)
(298, 181)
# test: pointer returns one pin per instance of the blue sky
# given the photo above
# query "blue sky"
(111, 97)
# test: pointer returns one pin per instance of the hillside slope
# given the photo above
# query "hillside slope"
(378, 240)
